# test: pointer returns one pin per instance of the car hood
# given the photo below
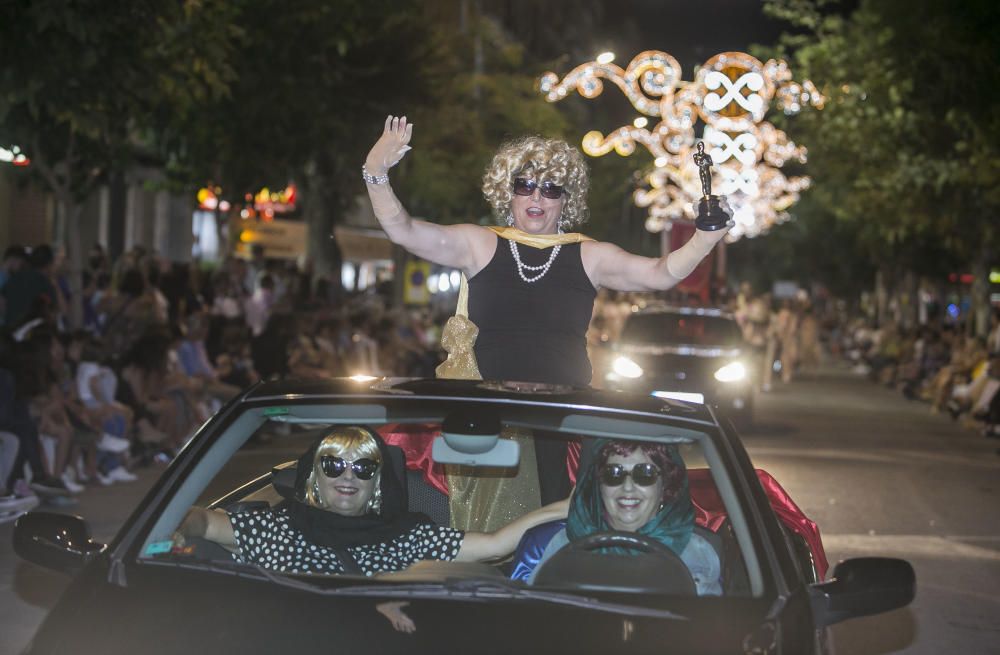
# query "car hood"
(166, 610)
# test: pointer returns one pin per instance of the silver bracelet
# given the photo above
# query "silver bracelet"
(374, 179)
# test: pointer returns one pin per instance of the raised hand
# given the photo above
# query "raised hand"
(391, 146)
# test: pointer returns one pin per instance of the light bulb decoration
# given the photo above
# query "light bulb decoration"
(731, 94)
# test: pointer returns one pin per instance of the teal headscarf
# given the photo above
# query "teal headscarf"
(671, 525)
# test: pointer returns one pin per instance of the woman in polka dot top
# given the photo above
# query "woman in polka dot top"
(349, 516)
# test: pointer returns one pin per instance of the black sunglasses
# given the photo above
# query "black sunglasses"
(334, 467)
(644, 475)
(525, 187)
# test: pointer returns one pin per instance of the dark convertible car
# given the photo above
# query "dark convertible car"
(145, 593)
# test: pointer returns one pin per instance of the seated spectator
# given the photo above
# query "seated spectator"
(968, 353)
(885, 356)
(333, 339)
(984, 398)
(131, 312)
(160, 408)
(362, 356)
(192, 356)
(235, 364)
(227, 301)
(94, 387)
(306, 359)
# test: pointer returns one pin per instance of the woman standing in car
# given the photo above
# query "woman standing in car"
(531, 286)
(532, 283)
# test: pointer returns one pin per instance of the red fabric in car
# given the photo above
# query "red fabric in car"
(710, 513)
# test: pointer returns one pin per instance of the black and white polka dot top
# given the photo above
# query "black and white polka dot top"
(266, 538)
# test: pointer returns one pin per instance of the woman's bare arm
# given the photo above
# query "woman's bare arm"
(211, 524)
(483, 546)
(609, 266)
(460, 246)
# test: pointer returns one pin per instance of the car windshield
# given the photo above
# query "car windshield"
(649, 513)
(673, 328)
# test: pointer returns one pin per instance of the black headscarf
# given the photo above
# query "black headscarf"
(327, 528)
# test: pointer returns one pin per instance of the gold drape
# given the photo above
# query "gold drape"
(484, 500)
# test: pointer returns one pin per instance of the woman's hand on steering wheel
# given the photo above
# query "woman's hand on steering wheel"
(391, 146)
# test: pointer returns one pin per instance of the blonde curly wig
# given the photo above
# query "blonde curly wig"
(540, 159)
(340, 441)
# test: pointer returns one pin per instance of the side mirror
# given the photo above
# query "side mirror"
(56, 541)
(863, 586)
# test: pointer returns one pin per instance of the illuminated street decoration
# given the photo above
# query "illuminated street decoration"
(208, 200)
(731, 94)
(13, 155)
(267, 203)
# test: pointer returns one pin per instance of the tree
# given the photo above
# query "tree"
(311, 83)
(486, 88)
(83, 82)
(905, 151)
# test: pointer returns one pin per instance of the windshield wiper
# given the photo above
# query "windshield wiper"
(480, 589)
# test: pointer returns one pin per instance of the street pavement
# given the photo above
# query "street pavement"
(882, 476)
(878, 473)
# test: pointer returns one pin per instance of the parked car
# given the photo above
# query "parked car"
(144, 593)
(688, 353)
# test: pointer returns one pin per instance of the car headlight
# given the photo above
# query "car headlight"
(626, 368)
(732, 372)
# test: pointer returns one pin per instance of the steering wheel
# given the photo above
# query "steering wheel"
(652, 567)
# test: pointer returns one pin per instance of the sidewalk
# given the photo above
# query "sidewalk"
(28, 591)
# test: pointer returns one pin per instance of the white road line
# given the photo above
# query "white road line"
(910, 545)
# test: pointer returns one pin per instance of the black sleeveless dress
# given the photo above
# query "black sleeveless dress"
(537, 331)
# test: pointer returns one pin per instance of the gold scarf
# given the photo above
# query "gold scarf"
(473, 495)
(540, 241)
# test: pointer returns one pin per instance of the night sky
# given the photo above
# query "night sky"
(694, 30)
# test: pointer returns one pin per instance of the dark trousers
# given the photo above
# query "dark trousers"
(18, 422)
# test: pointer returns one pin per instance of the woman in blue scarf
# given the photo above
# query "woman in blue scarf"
(628, 486)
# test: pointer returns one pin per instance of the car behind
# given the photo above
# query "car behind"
(687, 353)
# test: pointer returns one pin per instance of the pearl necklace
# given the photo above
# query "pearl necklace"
(521, 267)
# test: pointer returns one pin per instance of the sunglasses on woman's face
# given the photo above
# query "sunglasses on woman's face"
(525, 187)
(644, 475)
(334, 467)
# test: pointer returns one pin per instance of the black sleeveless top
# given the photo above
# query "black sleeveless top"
(533, 332)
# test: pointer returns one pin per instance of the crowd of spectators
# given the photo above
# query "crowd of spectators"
(941, 364)
(161, 347)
